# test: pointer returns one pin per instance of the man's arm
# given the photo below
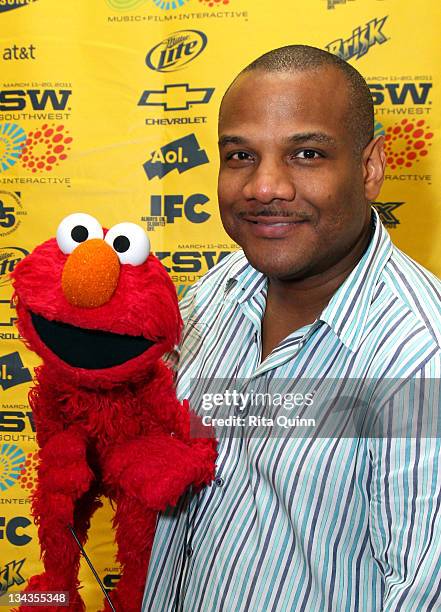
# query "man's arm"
(405, 512)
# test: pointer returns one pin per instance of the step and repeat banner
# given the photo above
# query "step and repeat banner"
(110, 107)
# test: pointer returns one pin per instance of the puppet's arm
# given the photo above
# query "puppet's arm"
(63, 469)
(162, 409)
(62, 498)
(158, 466)
(157, 469)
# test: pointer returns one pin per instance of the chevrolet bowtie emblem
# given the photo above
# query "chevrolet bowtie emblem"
(176, 97)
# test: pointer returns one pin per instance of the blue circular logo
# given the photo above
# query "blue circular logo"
(12, 460)
(12, 140)
(378, 129)
(167, 5)
(125, 5)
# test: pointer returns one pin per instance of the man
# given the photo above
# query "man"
(318, 292)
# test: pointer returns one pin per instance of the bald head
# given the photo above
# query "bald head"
(303, 58)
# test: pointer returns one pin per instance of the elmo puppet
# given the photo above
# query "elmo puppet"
(101, 312)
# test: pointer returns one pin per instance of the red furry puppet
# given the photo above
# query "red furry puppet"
(101, 312)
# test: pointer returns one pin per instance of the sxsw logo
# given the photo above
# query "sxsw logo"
(360, 41)
(400, 93)
(12, 371)
(176, 97)
(9, 5)
(190, 261)
(38, 99)
(166, 208)
(175, 51)
(385, 210)
(11, 530)
(181, 155)
(15, 421)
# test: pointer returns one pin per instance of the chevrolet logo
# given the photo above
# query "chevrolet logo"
(176, 97)
(7, 313)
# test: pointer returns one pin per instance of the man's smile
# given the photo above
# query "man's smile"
(272, 227)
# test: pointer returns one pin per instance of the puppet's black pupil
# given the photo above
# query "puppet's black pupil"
(79, 233)
(121, 244)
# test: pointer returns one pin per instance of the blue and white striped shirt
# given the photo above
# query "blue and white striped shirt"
(314, 524)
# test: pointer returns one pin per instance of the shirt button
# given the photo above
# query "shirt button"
(188, 551)
(241, 411)
(219, 482)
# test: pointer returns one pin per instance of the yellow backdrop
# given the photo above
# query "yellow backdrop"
(109, 107)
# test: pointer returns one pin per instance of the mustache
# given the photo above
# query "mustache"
(272, 211)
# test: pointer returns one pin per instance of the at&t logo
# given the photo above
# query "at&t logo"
(177, 50)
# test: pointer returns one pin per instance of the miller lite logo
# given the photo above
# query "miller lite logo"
(177, 50)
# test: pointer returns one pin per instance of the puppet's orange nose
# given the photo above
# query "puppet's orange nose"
(90, 274)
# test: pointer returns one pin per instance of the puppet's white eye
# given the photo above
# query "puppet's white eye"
(130, 242)
(75, 229)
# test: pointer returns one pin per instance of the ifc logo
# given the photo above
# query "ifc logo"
(177, 50)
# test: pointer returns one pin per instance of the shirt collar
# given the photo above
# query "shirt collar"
(348, 309)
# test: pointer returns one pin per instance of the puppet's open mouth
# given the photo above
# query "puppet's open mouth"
(88, 348)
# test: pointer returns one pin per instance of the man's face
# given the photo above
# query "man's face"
(293, 193)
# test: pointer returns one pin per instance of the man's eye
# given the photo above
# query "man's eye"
(239, 156)
(308, 154)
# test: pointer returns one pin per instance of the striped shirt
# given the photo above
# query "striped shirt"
(310, 523)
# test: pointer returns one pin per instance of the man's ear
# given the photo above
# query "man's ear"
(374, 164)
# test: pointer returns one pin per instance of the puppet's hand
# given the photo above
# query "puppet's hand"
(158, 469)
(63, 464)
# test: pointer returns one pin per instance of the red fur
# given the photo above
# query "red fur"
(118, 432)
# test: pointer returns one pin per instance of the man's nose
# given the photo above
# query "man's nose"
(271, 180)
